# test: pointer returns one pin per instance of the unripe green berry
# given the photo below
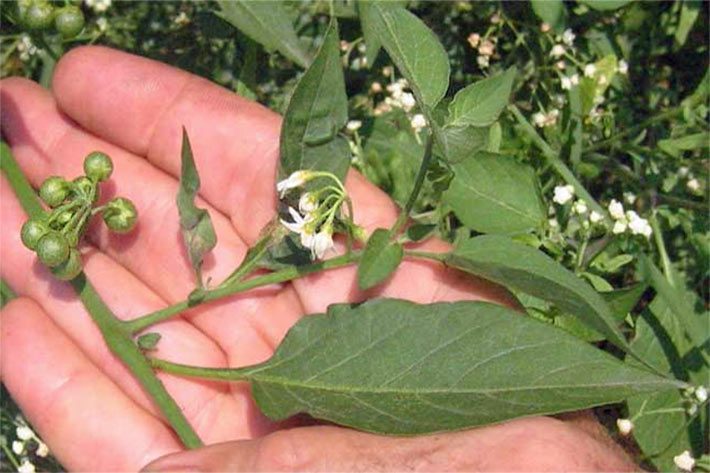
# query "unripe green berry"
(120, 215)
(54, 191)
(32, 231)
(69, 21)
(53, 249)
(98, 166)
(85, 188)
(39, 15)
(70, 268)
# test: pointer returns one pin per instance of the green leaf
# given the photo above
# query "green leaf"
(495, 194)
(395, 367)
(689, 12)
(148, 341)
(604, 5)
(676, 146)
(379, 260)
(372, 40)
(481, 103)
(318, 110)
(551, 12)
(462, 142)
(623, 301)
(525, 269)
(6, 293)
(268, 23)
(413, 47)
(591, 87)
(195, 223)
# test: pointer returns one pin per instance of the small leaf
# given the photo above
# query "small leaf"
(317, 111)
(623, 301)
(372, 41)
(525, 269)
(266, 22)
(413, 47)
(195, 223)
(148, 341)
(420, 231)
(551, 12)
(689, 12)
(395, 367)
(481, 103)
(604, 5)
(379, 260)
(495, 194)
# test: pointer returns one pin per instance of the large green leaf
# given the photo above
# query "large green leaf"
(396, 367)
(551, 12)
(495, 194)
(480, 103)
(525, 269)
(266, 22)
(317, 111)
(413, 47)
(195, 223)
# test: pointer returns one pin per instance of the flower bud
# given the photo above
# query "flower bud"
(54, 191)
(70, 268)
(85, 188)
(69, 21)
(53, 249)
(98, 166)
(32, 231)
(120, 215)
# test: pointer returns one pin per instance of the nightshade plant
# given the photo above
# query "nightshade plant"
(471, 363)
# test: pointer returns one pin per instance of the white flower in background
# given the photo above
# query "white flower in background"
(545, 27)
(561, 65)
(353, 125)
(387, 71)
(24, 433)
(625, 426)
(495, 19)
(629, 198)
(296, 179)
(344, 45)
(182, 19)
(568, 37)
(580, 207)
(563, 194)
(362, 48)
(603, 80)
(557, 51)
(26, 467)
(473, 40)
(692, 409)
(590, 70)
(619, 227)
(595, 217)
(701, 394)
(418, 122)
(567, 82)
(622, 67)
(99, 6)
(483, 61)
(26, 48)
(487, 48)
(307, 203)
(638, 225)
(376, 88)
(616, 210)
(42, 450)
(553, 223)
(408, 102)
(683, 171)
(18, 447)
(693, 185)
(538, 119)
(102, 23)
(684, 461)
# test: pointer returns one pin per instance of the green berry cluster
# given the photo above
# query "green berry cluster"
(56, 234)
(41, 15)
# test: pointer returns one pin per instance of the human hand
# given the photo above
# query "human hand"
(80, 398)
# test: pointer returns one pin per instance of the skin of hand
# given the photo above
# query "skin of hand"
(84, 402)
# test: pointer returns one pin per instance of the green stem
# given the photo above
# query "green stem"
(41, 42)
(217, 374)
(553, 159)
(441, 257)
(6, 293)
(118, 339)
(662, 252)
(419, 181)
(284, 275)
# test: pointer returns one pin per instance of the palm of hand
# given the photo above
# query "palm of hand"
(134, 110)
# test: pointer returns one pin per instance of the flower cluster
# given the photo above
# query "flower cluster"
(544, 119)
(486, 49)
(315, 218)
(99, 6)
(26, 48)
(627, 220)
(27, 441)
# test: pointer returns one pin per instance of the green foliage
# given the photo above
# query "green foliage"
(480, 103)
(379, 260)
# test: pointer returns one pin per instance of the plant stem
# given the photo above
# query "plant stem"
(218, 374)
(556, 163)
(117, 338)
(6, 293)
(419, 181)
(287, 274)
(441, 257)
(662, 252)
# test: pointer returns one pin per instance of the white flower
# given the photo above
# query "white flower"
(362, 48)
(595, 217)
(181, 19)
(693, 185)
(24, 433)
(684, 461)
(622, 67)
(568, 82)
(483, 61)
(486, 48)
(18, 447)
(296, 179)
(580, 207)
(353, 125)
(102, 23)
(26, 467)
(563, 194)
(616, 210)
(625, 426)
(418, 122)
(561, 65)
(545, 27)
(322, 242)
(387, 71)
(307, 203)
(701, 394)
(692, 409)
(568, 37)
(557, 51)
(619, 227)
(638, 225)
(376, 88)
(590, 70)
(603, 80)
(683, 171)
(629, 197)
(538, 119)
(474, 39)
(553, 223)
(299, 223)
(42, 450)
(408, 102)
(495, 18)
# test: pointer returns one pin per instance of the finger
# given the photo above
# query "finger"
(68, 400)
(216, 413)
(243, 164)
(154, 250)
(536, 444)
